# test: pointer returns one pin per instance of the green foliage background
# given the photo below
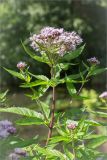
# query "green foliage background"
(18, 19)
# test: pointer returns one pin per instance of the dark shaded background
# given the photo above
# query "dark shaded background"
(20, 18)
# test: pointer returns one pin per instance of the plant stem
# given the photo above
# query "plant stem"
(52, 109)
(73, 148)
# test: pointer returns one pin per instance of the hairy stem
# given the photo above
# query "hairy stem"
(52, 110)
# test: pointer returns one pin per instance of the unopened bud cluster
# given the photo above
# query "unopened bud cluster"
(6, 128)
(72, 125)
(17, 154)
(21, 65)
(55, 38)
(93, 61)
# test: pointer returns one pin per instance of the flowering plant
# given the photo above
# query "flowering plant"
(69, 138)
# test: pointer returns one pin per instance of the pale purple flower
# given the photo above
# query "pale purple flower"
(93, 61)
(21, 65)
(14, 156)
(56, 40)
(103, 95)
(18, 154)
(6, 128)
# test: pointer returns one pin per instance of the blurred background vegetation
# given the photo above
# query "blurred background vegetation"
(18, 19)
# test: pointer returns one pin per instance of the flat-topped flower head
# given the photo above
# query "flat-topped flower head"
(6, 129)
(103, 95)
(93, 61)
(56, 40)
(21, 65)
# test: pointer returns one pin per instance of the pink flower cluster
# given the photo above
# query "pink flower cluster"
(72, 125)
(93, 61)
(103, 95)
(21, 65)
(6, 129)
(17, 154)
(55, 38)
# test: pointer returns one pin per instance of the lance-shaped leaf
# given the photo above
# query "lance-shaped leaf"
(96, 142)
(74, 54)
(38, 93)
(70, 86)
(33, 84)
(97, 71)
(45, 108)
(35, 57)
(50, 153)
(22, 111)
(101, 114)
(15, 74)
(30, 121)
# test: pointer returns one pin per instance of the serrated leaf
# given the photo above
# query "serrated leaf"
(45, 108)
(34, 56)
(74, 54)
(33, 84)
(98, 71)
(97, 142)
(101, 114)
(30, 121)
(22, 111)
(71, 89)
(57, 139)
(15, 74)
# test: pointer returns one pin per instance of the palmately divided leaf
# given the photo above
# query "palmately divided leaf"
(22, 111)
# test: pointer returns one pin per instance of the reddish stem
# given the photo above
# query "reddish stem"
(52, 111)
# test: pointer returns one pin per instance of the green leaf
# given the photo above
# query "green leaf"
(35, 57)
(30, 121)
(101, 114)
(45, 108)
(15, 74)
(57, 139)
(3, 96)
(76, 76)
(38, 93)
(98, 71)
(68, 153)
(33, 84)
(74, 54)
(22, 111)
(50, 153)
(93, 123)
(97, 142)
(71, 89)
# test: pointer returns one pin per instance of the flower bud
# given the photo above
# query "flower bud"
(93, 61)
(21, 65)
